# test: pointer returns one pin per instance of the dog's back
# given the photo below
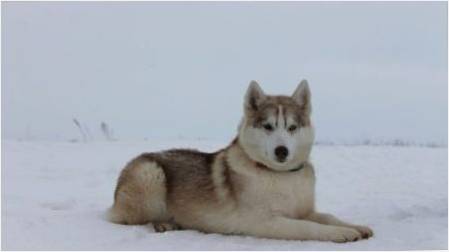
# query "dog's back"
(153, 182)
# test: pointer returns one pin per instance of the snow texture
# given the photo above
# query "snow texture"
(55, 196)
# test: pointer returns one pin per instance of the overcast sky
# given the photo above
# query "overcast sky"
(376, 70)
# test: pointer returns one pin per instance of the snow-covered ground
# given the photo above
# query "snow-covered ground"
(55, 195)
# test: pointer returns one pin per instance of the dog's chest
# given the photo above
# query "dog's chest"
(287, 194)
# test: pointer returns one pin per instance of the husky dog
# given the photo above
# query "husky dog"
(262, 184)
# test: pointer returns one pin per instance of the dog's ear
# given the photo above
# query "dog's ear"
(254, 96)
(302, 96)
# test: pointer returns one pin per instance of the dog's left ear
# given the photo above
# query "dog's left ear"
(302, 96)
(254, 97)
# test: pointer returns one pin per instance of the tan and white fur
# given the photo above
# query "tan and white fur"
(262, 184)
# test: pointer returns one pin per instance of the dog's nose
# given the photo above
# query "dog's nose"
(281, 153)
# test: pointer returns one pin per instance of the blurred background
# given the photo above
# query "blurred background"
(94, 71)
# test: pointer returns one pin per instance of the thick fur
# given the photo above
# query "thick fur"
(245, 188)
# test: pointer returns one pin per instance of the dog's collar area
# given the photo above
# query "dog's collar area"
(300, 166)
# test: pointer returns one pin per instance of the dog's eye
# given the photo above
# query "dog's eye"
(268, 127)
(292, 128)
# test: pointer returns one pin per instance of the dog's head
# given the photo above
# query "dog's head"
(277, 130)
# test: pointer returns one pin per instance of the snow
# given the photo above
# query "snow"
(55, 195)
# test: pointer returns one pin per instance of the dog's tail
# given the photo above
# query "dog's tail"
(113, 216)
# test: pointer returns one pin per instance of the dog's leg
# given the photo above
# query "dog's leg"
(160, 227)
(294, 229)
(329, 219)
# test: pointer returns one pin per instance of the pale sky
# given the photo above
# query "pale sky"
(377, 70)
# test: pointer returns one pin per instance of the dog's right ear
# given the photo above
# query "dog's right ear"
(302, 96)
(254, 97)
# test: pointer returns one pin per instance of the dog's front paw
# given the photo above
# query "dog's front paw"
(366, 232)
(344, 234)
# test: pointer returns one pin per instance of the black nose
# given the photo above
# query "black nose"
(281, 153)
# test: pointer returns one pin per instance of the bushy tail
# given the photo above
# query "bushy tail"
(113, 216)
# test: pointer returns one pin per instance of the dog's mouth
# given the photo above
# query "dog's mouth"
(280, 168)
(281, 160)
